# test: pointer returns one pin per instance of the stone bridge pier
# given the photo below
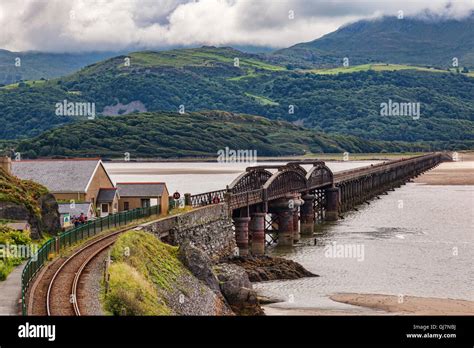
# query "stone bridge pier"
(332, 203)
(287, 211)
(241, 225)
(250, 230)
(307, 218)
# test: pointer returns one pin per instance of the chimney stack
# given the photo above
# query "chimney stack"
(6, 164)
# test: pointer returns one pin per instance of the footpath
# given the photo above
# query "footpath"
(10, 292)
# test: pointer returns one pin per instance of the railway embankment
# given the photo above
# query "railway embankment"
(196, 272)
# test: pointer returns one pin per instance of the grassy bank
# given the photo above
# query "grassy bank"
(143, 270)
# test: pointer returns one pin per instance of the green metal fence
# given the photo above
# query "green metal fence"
(74, 235)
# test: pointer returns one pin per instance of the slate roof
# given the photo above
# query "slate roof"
(65, 208)
(58, 176)
(106, 195)
(146, 189)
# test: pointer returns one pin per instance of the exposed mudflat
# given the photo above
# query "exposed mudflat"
(451, 173)
(408, 304)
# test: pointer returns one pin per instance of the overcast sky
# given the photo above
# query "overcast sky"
(84, 25)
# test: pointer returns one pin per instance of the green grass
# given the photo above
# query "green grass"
(143, 270)
(262, 65)
(262, 100)
(250, 74)
(32, 83)
(131, 293)
(374, 67)
(198, 57)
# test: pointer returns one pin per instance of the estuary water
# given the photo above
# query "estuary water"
(415, 241)
(197, 177)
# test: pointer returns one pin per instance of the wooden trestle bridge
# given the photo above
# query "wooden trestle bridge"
(281, 205)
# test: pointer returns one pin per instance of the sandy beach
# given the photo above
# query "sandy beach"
(460, 172)
(411, 305)
(379, 304)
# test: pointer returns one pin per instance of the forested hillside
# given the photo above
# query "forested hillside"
(226, 79)
(193, 134)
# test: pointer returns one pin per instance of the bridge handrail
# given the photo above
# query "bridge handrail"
(207, 198)
(343, 175)
(67, 238)
(233, 199)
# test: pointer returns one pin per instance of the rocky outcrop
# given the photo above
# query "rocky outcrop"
(237, 289)
(262, 268)
(29, 201)
(229, 282)
(124, 109)
(49, 214)
(48, 221)
(199, 264)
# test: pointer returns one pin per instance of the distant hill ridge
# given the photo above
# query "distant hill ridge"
(197, 134)
(423, 40)
(211, 78)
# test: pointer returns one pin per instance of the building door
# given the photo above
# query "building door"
(104, 209)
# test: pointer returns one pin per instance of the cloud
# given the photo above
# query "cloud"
(84, 25)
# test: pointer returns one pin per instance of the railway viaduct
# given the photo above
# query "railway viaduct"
(265, 204)
(278, 204)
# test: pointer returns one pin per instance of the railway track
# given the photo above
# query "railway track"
(64, 292)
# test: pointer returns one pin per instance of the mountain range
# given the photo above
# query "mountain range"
(423, 41)
(286, 85)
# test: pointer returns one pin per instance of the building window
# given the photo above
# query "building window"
(145, 203)
(105, 208)
(126, 206)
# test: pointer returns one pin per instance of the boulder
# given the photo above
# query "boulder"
(200, 265)
(237, 289)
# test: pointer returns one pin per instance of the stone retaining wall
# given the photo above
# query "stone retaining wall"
(208, 228)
